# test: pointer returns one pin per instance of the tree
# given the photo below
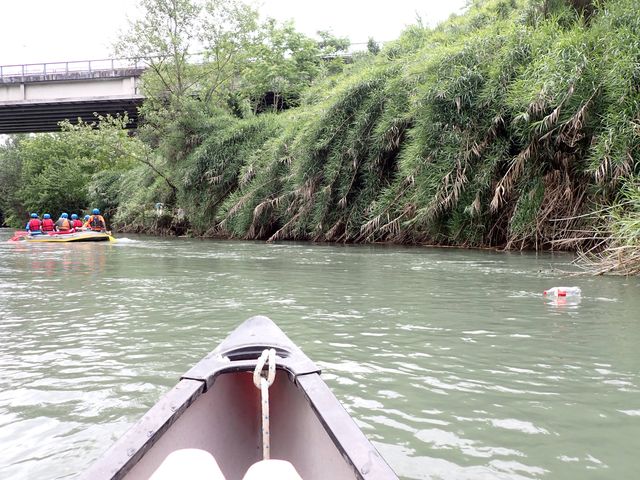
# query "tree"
(373, 47)
(332, 51)
(10, 179)
(284, 62)
(330, 45)
(52, 172)
(191, 48)
(230, 30)
(163, 37)
(195, 52)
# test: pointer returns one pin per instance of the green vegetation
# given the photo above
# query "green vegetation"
(61, 171)
(508, 126)
(620, 236)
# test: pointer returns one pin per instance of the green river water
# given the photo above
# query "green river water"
(451, 361)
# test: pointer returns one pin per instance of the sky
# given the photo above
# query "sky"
(36, 31)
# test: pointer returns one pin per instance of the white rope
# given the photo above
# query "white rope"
(267, 358)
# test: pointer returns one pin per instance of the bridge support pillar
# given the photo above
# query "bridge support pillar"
(23, 92)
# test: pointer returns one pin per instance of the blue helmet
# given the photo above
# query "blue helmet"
(34, 215)
(86, 217)
(64, 215)
(46, 215)
(74, 216)
(96, 211)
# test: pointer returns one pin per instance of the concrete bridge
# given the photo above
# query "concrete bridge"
(35, 97)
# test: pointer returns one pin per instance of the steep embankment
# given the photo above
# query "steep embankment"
(507, 126)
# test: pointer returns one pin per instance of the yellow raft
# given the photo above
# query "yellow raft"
(86, 236)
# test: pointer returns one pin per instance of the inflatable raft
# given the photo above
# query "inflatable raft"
(212, 423)
(84, 236)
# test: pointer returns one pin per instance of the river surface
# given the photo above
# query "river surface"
(451, 361)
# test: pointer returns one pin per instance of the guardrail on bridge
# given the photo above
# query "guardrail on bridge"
(77, 66)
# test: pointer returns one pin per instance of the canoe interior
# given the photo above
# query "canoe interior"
(225, 421)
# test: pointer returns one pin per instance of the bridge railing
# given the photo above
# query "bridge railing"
(109, 64)
(76, 66)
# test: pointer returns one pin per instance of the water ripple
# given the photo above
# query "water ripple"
(450, 361)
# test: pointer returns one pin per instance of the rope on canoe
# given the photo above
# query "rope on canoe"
(268, 358)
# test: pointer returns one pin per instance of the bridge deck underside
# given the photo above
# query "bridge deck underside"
(21, 117)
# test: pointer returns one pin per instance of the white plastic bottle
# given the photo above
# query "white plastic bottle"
(563, 292)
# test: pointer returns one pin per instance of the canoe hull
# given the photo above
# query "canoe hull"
(218, 412)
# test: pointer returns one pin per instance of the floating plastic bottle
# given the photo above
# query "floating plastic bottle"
(563, 292)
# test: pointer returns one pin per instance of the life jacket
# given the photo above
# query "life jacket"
(64, 224)
(34, 225)
(96, 222)
(77, 223)
(48, 225)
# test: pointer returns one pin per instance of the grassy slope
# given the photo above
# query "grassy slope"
(506, 126)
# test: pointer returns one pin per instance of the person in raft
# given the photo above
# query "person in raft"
(63, 224)
(47, 223)
(76, 222)
(96, 221)
(34, 225)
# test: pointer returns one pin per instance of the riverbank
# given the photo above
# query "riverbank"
(506, 127)
(616, 252)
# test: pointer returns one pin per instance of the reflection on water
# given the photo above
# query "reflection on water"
(451, 361)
